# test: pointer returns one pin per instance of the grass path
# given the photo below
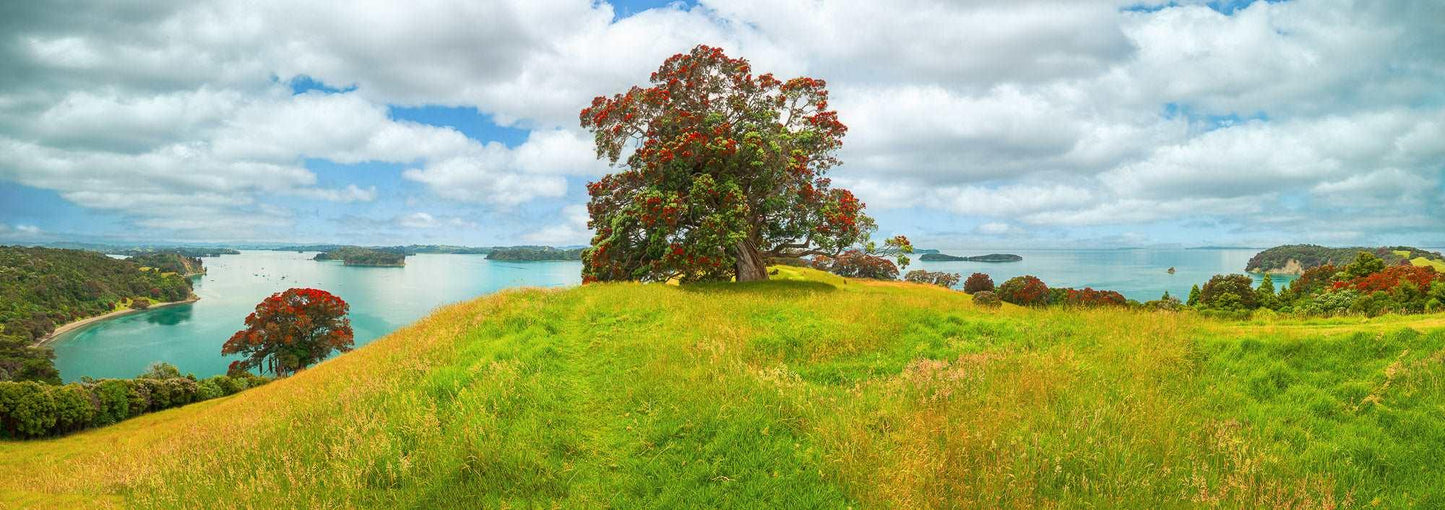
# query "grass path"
(808, 391)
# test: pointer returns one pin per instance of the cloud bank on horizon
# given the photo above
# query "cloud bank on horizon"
(971, 123)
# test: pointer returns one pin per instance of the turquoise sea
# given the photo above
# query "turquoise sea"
(383, 299)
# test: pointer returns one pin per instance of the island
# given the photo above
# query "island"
(992, 257)
(534, 253)
(1295, 259)
(367, 257)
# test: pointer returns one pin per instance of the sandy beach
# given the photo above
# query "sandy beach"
(73, 325)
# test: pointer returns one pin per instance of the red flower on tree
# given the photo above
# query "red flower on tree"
(291, 330)
(725, 164)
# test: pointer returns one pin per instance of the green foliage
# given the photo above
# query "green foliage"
(1267, 296)
(1232, 292)
(169, 262)
(1193, 296)
(161, 370)
(939, 278)
(987, 299)
(1365, 264)
(29, 409)
(534, 253)
(358, 256)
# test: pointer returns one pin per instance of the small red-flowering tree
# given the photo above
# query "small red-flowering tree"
(978, 282)
(726, 171)
(1024, 291)
(290, 331)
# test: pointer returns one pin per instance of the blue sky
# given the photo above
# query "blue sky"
(982, 124)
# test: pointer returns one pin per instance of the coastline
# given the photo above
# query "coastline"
(77, 324)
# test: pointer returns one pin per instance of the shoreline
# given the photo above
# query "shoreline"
(77, 324)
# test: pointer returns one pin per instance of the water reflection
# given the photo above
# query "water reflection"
(170, 315)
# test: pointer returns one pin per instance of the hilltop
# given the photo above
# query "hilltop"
(1297, 258)
(805, 391)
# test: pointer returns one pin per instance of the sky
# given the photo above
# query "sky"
(1022, 123)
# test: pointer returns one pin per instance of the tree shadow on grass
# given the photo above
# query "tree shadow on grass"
(781, 287)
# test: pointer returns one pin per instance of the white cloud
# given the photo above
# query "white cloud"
(572, 229)
(994, 228)
(1306, 116)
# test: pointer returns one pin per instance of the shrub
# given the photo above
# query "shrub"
(978, 282)
(1088, 297)
(1389, 278)
(987, 299)
(857, 264)
(939, 278)
(1229, 292)
(1024, 291)
(1365, 264)
(140, 303)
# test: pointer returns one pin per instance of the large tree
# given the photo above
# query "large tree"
(722, 170)
(290, 331)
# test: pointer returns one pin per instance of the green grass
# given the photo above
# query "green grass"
(808, 391)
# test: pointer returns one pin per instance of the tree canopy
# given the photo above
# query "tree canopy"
(291, 330)
(721, 171)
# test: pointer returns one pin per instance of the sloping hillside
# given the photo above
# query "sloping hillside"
(807, 391)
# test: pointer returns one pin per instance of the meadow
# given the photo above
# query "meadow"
(807, 391)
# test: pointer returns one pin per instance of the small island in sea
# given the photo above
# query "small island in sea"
(358, 256)
(534, 253)
(1295, 259)
(992, 257)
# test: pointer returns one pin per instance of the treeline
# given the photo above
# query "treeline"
(31, 409)
(1368, 286)
(42, 288)
(1310, 256)
(534, 253)
(410, 249)
(169, 262)
(183, 251)
(358, 256)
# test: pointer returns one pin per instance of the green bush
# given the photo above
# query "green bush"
(987, 299)
(31, 409)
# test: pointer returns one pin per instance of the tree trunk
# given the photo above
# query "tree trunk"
(750, 264)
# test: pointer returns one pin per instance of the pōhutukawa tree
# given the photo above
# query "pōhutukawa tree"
(722, 170)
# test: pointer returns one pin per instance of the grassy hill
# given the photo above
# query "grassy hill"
(806, 391)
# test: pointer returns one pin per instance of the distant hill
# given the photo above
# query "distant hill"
(1297, 258)
(411, 249)
(170, 262)
(992, 257)
(179, 250)
(358, 256)
(534, 253)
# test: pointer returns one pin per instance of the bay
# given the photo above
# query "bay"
(383, 299)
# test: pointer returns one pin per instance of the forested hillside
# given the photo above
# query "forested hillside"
(170, 262)
(41, 288)
(1308, 256)
(534, 253)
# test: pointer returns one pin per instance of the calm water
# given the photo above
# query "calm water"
(383, 299)
(1141, 274)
